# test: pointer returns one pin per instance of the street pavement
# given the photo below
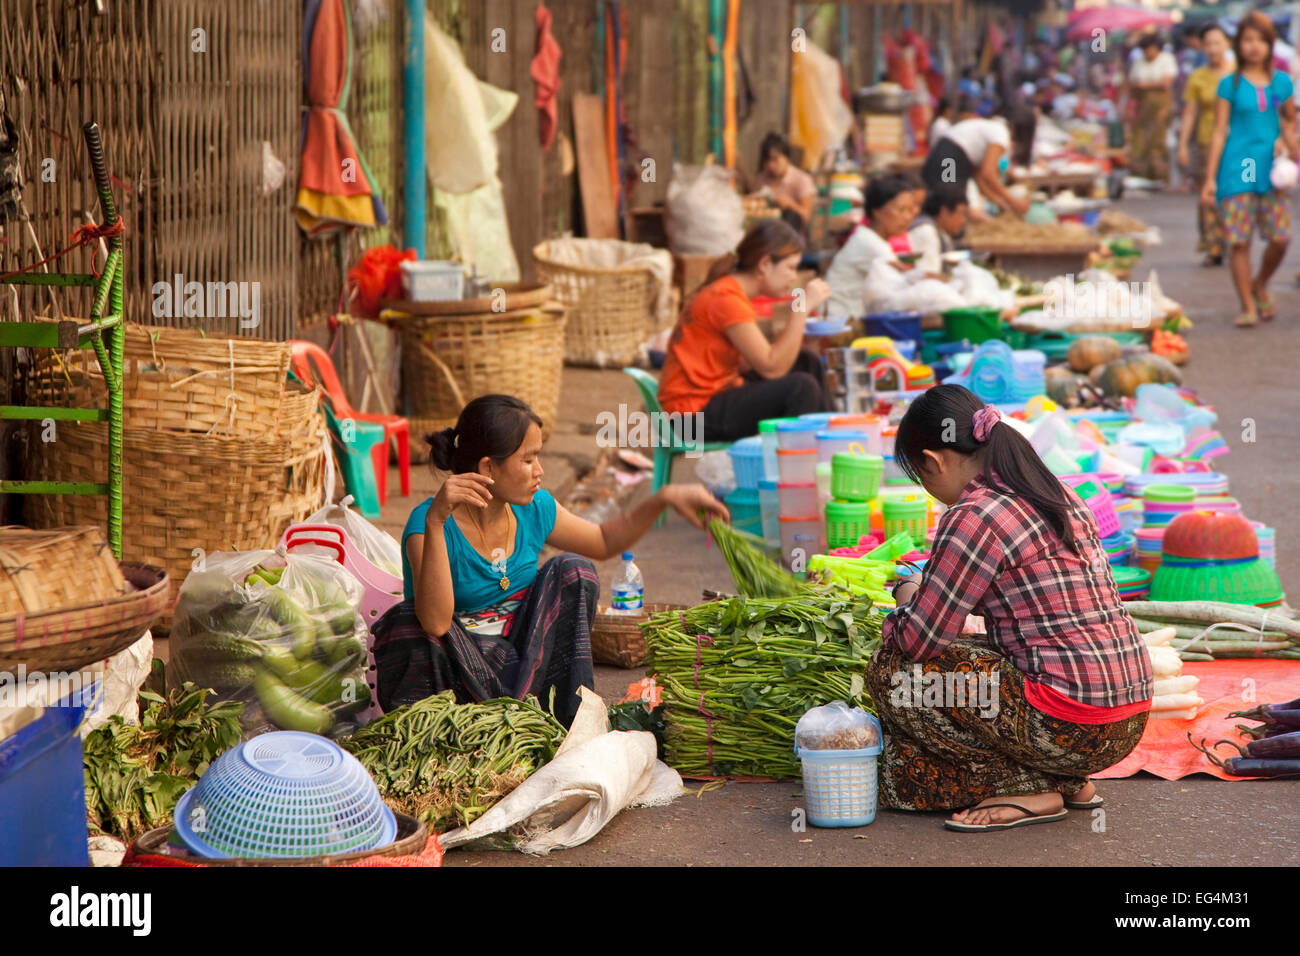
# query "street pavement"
(1249, 376)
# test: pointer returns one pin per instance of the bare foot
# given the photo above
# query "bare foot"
(1036, 803)
(1086, 794)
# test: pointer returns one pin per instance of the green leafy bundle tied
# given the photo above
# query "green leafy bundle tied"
(738, 674)
(755, 574)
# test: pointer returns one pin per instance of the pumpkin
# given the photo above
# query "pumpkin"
(1123, 376)
(1062, 386)
(1089, 351)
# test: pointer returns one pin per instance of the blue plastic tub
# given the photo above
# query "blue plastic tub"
(43, 792)
(746, 511)
(747, 462)
(895, 325)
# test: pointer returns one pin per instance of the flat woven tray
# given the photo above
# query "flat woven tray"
(617, 640)
(518, 295)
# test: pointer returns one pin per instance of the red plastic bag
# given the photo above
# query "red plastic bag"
(376, 276)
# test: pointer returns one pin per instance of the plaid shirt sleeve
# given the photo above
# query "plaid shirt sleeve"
(966, 558)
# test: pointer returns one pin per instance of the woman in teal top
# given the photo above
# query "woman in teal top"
(1254, 119)
(478, 616)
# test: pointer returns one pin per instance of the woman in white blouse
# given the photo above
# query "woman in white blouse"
(1151, 80)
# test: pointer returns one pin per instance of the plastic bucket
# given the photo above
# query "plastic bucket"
(847, 522)
(746, 510)
(43, 792)
(856, 477)
(895, 325)
(747, 462)
(840, 785)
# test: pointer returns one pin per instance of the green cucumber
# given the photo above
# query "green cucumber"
(345, 651)
(286, 709)
(293, 620)
(221, 676)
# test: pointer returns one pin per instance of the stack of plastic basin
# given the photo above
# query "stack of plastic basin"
(1205, 484)
(1208, 556)
(747, 462)
(1119, 548)
(1162, 503)
(1133, 584)
(997, 374)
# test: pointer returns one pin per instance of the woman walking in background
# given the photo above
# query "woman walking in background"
(1254, 108)
(1151, 78)
(1201, 93)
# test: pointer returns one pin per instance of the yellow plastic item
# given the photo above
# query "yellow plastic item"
(1039, 405)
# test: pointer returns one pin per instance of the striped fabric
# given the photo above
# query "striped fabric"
(1055, 614)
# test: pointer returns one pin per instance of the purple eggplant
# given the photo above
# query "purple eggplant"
(1283, 745)
(1261, 766)
(1272, 715)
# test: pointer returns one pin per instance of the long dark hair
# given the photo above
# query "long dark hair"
(768, 239)
(490, 426)
(1024, 124)
(1011, 465)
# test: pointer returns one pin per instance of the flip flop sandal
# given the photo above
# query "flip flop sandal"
(1267, 308)
(1027, 820)
(1096, 801)
(1245, 321)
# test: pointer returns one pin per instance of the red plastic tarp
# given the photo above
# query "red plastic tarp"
(1225, 686)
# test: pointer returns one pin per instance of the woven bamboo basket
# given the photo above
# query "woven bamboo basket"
(179, 380)
(63, 567)
(610, 310)
(72, 637)
(186, 493)
(412, 836)
(448, 360)
(617, 640)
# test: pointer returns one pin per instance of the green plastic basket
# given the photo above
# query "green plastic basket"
(856, 477)
(906, 513)
(846, 523)
(1056, 345)
(931, 339)
(975, 324)
(1242, 582)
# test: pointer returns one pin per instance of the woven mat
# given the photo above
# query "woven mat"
(1164, 749)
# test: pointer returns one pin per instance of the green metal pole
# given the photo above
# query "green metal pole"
(718, 33)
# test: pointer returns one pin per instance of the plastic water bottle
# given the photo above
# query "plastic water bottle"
(629, 588)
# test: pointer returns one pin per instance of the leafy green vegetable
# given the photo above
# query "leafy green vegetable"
(135, 773)
(738, 674)
(755, 574)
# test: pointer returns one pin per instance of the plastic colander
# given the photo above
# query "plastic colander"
(284, 795)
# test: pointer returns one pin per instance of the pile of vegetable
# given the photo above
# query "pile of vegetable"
(1174, 694)
(447, 763)
(135, 773)
(1274, 746)
(1006, 232)
(738, 674)
(288, 641)
(1214, 630)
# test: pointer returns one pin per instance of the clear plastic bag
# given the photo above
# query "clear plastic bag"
(704, 214)
(378, 547)
(836, 726)
(282, 633)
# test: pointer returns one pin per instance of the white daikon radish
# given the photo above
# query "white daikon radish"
(1175, 685)
(1160, 638)
(1174, 714)
(1165, 661)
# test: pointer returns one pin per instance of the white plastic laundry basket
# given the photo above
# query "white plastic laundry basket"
(840, 786)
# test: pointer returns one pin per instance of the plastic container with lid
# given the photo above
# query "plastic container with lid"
(824, 479)
(796, 499)
(796, 466)
(767, 435)
(769, 506)
(820, 419)
(801, 538)
(870, 424)
(797, 435)
(847, 522)
(908, 513)
(747, 462)
(830, 443)
(856, 477)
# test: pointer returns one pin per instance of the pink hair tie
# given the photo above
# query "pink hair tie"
(983, 421)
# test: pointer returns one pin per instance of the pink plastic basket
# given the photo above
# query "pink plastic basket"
(1094, 494)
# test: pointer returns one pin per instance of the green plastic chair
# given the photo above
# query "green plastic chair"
(648, 386)
(356, 459)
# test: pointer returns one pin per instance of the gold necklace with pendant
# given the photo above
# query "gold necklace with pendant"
(505, 581)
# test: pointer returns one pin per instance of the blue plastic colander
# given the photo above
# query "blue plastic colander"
(284, 795)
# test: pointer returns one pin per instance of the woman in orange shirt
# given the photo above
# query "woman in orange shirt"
(720, 363)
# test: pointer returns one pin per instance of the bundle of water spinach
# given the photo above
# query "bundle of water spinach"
(738, 674)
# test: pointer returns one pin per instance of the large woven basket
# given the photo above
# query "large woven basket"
(187, 493)
(179, 380)
(71, 637)
(610, 310)
(617, 640)
(62, 567)
(448, 360)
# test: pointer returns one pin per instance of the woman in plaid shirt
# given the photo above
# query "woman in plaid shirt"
(1007, 727)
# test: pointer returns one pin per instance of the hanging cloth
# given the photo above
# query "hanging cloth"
(545, 71)
(336, 189)
(11, 182)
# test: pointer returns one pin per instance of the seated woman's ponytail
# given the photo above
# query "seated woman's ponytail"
(950, 416)
(442, 448)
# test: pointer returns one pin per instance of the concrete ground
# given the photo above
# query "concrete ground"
(1247, 375)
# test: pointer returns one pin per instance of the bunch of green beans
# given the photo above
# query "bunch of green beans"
(738, 674)
(448, 763)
